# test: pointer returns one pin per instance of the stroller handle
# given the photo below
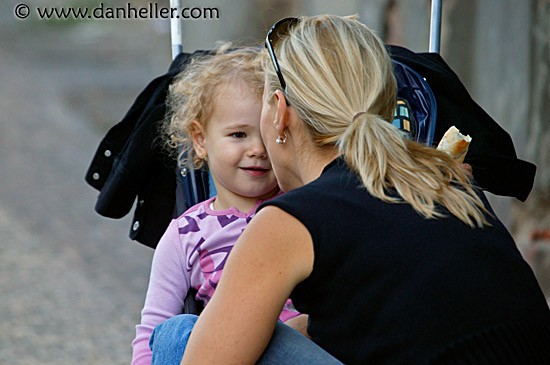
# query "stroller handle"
(175, 30)
(435, 26)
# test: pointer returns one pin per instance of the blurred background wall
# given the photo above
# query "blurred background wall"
(72, 284)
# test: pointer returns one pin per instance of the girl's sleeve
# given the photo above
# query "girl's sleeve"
(168, 285)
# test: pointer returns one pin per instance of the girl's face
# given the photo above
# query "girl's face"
(237, 158)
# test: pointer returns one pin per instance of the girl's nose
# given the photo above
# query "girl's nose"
(257, 149)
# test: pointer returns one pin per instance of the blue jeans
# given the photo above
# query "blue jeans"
(287, 346)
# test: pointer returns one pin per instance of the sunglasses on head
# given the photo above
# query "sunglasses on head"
(279, 30)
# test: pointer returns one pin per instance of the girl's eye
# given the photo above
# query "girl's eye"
(238, 135)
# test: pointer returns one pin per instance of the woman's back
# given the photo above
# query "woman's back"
(389, 285)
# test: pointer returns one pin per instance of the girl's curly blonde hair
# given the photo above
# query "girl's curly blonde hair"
(192, 94)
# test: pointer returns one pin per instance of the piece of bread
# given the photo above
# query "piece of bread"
(455, 144)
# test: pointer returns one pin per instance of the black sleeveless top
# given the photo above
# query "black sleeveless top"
(389, 286)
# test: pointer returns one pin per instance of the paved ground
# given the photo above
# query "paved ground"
(71, 282)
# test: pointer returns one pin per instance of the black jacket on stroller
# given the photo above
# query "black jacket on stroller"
(129, 164)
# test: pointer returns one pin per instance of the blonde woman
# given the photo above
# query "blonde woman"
(385, 243)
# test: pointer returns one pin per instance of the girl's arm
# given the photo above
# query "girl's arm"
(168, 285)
(271, 257)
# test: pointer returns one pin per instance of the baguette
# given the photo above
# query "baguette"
(455, 144)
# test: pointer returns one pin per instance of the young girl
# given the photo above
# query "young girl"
(216, 107)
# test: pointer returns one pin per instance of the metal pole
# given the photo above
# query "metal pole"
(175, 29)
(194, 190)
(435, 26)
(177, 48)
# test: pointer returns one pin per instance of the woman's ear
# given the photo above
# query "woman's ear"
(198, 136)
(281, 119)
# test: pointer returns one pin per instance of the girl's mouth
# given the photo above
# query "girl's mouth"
(255, 171)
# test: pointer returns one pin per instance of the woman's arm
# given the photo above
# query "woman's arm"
(271, 257)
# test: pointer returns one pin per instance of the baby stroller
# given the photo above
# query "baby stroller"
(128, 167)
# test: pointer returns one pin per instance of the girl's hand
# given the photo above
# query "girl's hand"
(467, 168)
(299, 323)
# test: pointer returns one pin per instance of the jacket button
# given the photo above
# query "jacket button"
(141, 202)
(135, 227)
(184, 172)
(107, 153)
(95, 176)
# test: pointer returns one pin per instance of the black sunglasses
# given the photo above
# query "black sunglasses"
(278, 31)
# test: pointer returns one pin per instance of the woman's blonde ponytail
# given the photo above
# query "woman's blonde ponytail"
(387, 163)
(369, 160)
